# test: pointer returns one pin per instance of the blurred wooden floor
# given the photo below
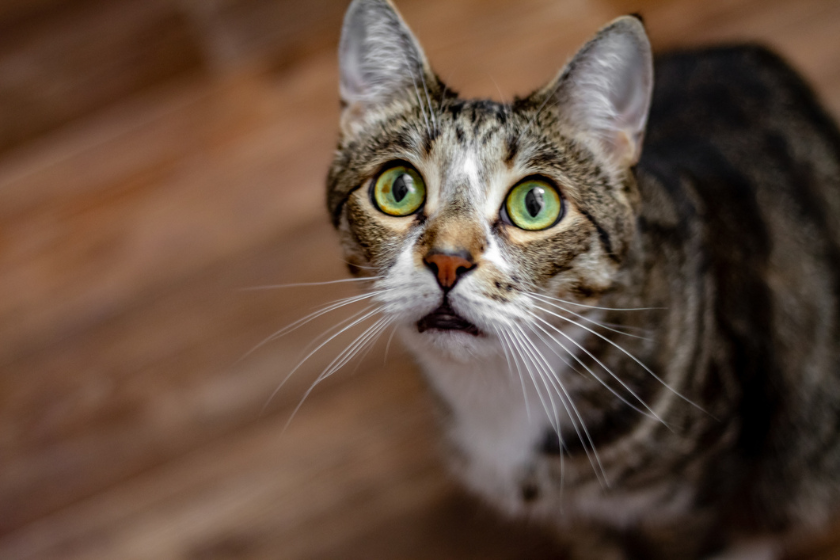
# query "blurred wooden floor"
(156, 157)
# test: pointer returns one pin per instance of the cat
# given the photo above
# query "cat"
(622, 289)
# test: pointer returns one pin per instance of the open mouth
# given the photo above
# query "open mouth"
(444, 318)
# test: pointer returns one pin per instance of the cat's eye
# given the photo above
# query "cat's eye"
(533, 204)
(399, 191)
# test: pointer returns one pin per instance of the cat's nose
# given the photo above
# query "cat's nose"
(449, 266)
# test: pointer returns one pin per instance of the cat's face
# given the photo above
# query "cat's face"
(465, 210)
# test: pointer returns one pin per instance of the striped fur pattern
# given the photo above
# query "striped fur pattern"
(656, 374)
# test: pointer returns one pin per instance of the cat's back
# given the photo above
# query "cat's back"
(742, 145)
(751, 162)
(741, 116)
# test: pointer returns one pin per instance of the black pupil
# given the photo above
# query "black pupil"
(402, 186)
(534, 201)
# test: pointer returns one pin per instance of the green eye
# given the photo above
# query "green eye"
(399, 191)
(533, 205)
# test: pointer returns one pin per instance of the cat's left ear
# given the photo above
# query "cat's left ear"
(604, 93)
(379, 58)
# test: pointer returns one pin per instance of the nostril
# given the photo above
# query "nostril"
(448, 267)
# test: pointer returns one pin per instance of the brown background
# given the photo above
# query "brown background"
(156, 157)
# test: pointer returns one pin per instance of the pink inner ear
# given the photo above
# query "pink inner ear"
(626, 146)
(609, 88)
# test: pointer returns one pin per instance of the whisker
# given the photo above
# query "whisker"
(555, 380)
(651, 413)
(348, 352)
(359, 266)
(592, 373)
(514, 351)
(311, 317)
(554, 417)
(306, 284)
(597, 307)
(620, 329)
(333, 328)
(300, 363)
(353, 349)
(510, 368)
(606, 326)
(626, 353)
(558, 354)
(628, 327)
(371, 345)
(388, 345)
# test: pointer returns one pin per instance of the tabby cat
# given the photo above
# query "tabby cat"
(624, 292)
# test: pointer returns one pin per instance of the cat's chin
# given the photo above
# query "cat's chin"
(456, 345)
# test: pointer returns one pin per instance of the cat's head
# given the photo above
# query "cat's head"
(466, 209)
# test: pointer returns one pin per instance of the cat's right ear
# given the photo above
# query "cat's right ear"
(379, 59)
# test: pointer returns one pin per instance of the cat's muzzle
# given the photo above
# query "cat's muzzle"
(445, 318)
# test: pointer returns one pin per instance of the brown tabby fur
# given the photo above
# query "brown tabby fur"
(726, 231)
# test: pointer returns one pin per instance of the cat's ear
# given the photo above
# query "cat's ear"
(379, 58)
(605, 91)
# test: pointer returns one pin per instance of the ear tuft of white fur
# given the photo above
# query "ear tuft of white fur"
(379, 58)
(605, 91)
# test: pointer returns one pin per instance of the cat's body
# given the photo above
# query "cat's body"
(679, 322)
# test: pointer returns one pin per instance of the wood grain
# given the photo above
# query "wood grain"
(157, 157)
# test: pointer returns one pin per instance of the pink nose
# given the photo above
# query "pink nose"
(449, 267)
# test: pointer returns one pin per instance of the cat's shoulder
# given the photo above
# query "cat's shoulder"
(751, 70)
(732, 85)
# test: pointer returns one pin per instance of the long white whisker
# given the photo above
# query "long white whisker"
(626, 353)
(353, 349)
(388, 345)
(597, 307)
(372, 344)
(333, 328)
(607, 326)
(554, 417)
(510, 368)
(359, 266)
(599, 324)
(300, 363)
(628, 328)
(514, 351)
(528, 412)
(322, 311)
(311, 317)
(348, 353)
(558, 354)
(555, 381)
(306, 284)
(587, 368)
(600, 363)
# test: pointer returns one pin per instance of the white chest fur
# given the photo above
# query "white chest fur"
(500, 412)
(498, 419)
